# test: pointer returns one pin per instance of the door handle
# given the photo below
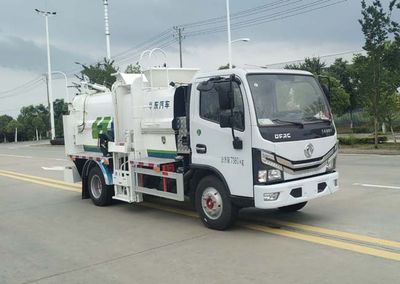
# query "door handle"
(201, 148)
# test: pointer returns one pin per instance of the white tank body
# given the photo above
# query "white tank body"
(92, 114)
(133, 112)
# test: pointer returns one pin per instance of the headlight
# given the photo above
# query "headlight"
(274, 175)
(262, 176)
(266, 156)
(331, 164)
(270, 171)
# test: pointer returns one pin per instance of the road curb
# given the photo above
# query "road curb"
(369, 152)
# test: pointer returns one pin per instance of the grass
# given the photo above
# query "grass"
(385, 148)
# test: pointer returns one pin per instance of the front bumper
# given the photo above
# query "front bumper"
(293, 192)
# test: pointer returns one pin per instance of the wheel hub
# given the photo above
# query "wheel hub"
(96, 186)
(212, 203)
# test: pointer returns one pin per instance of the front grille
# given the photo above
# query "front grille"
(305, 164)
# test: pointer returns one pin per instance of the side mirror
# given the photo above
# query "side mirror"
(225, 94)
(205, 86)
(225, 119)
(327, 93)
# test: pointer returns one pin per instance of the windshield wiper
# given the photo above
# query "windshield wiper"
(298, 123)
(312, 118)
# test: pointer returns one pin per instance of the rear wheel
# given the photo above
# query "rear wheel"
(293, 208)
(213, 204)
(100, 193)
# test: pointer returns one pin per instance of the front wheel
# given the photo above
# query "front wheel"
(214, 205)
(100, 193)
(293, 208)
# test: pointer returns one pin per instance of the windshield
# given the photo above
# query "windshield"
(287, 99)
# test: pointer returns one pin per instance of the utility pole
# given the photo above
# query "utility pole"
(50, 88)
(107, 29)
(180, 37)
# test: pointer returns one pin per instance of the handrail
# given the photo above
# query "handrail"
(150, 54)
(165, 56)
(143, 54)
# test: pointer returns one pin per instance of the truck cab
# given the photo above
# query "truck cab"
(226, 139)
(268, 134)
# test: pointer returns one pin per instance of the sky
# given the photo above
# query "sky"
(77, 35)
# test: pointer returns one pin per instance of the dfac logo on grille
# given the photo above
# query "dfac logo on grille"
(309, 150)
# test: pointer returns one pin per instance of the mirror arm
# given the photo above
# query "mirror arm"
(237, 142)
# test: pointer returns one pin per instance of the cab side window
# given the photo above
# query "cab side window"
(209, 106)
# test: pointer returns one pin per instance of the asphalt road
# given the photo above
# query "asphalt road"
(48, 234)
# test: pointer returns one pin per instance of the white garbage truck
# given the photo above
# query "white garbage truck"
(226, 139)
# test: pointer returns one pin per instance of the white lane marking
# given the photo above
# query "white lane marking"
(31, 157)
(14, 145)
(371, 155)
(53, 168)
(16, 156)
(377, 185)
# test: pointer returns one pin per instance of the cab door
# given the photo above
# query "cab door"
(212, 146)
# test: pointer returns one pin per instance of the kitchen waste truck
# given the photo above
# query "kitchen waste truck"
(226, 139)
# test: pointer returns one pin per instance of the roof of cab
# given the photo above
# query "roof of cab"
(243, 72)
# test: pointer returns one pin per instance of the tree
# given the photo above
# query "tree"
(99, 73)
(44, 114)
(60, 109)
(33, 118)
(313, 65)
(377, 26)
(392, 99)
(392, 111)
(133, 69)
(340, 99)
(25, 118)
(4, 120)
(10, 129)
(38, 125)
(344, 72)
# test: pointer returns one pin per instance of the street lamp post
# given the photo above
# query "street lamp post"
(66, 84)
(52, 125)
(230, 41)
(107, 29)
(245, 39)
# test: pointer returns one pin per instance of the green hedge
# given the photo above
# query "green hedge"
(351, 140)
(344, 130)
(362, 130)
(347, 130)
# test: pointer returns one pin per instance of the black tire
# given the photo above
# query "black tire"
(100, 193)
(213, 217)
(293, 208)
